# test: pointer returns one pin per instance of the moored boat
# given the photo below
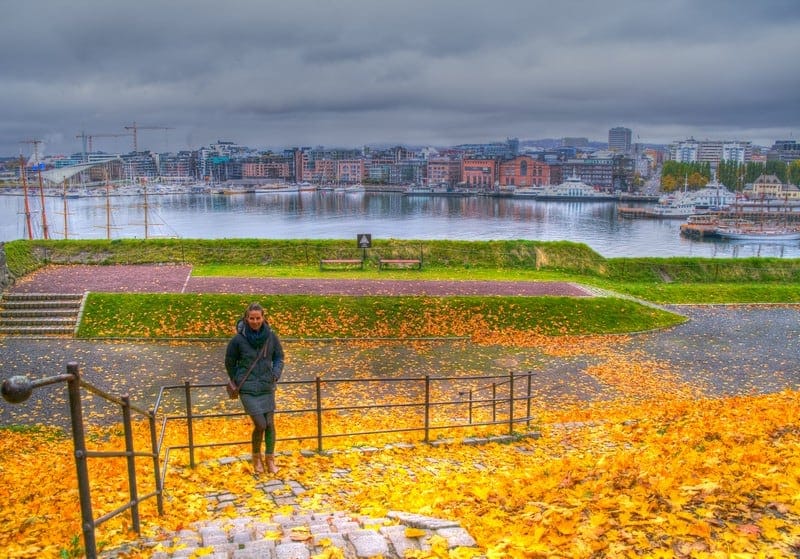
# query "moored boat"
(435, 191)
(573, 188)
(713, 195)
(674, 206)
(700, 226)
(527, 192)
(748, 231)
(355, 189)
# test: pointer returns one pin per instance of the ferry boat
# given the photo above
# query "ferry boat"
(527, 192)
(421, 190)
(573, 189)
(714, 195)
(679, 206)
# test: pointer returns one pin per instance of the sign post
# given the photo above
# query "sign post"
(364, 241)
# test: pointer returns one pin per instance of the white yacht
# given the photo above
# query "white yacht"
(573, 188)
(678, 205)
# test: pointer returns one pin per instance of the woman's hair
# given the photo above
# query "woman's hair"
(253, 307)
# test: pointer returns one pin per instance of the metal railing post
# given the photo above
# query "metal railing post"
(427, 408)
(156, 465)
(470, 405)
(189, 423)
(511, 403)
(528, 398)
(318, 386)
(79, 443)
(494, 402)
(131, 460)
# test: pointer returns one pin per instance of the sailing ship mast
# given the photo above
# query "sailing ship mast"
(45, 231)
(25, 194)
(35, 144)
(108, 206)
(146, 211)
(64, 198)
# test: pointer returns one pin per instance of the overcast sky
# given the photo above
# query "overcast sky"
(345, 73)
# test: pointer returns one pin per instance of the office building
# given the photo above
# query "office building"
(619, 139)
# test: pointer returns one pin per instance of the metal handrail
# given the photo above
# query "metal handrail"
(426, 404)
(17, 389)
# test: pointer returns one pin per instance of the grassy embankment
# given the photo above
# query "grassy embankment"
(659, 280)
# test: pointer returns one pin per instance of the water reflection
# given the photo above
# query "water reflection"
(331, 215)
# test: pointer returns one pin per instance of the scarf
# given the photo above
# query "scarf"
(255, 338)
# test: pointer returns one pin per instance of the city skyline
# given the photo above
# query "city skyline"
(346, 73)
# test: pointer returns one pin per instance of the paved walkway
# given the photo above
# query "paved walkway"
(179, 279)
(298, 534)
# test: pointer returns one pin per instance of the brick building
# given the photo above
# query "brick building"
(524, 171)
(479, 174)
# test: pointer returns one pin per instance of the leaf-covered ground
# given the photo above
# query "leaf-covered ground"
(651, 466)
(636, 457)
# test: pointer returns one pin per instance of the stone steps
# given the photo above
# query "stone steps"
(39, 314)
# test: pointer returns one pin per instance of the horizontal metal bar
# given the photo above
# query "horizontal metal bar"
(113, 513)
(117, 454)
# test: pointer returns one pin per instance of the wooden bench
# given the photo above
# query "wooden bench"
(410, 262)
(341, 262)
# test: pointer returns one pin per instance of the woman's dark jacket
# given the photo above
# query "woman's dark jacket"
(240, 354)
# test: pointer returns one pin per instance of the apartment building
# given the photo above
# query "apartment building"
(492, 150)
(784, 150)
(266, 169)
(609, 173)
(350, 171)
(710, 151)
(412, 171)
(181, 165)
(444, 171)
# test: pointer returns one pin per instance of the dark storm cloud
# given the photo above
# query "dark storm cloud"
(349, 72)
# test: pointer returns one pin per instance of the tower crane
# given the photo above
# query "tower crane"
(87, 140)
(135, 128)
(35, 144)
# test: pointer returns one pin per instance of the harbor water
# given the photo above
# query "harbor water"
(337, 215)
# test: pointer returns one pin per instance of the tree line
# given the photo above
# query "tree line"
(676, 175)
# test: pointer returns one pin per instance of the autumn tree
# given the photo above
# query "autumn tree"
(668, 183)
(793, 171)
(695, 174)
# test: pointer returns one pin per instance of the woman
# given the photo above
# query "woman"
(254, 361)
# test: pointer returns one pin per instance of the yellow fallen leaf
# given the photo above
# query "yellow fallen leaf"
(415, 533)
